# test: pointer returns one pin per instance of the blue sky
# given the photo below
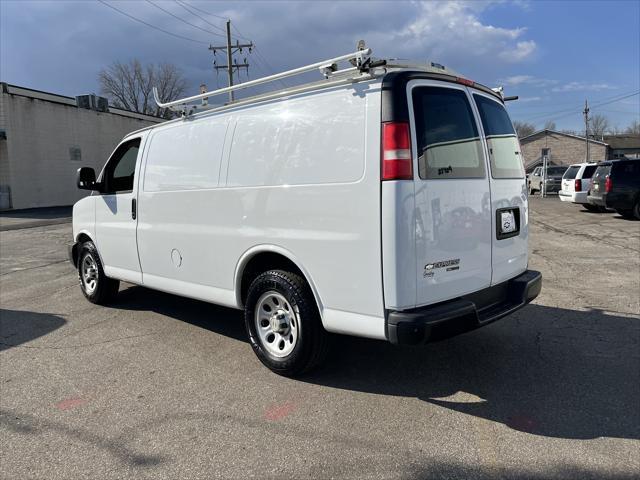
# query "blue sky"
(554, 55)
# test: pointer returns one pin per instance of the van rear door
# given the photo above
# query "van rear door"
(509, 203)
(453, 211)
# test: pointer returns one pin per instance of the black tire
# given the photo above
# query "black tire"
(531, 190)
(311, 345)
(625, 213)
(636, 209)
(591, 208)
(105, 289)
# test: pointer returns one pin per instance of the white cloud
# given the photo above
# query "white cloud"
(583, 86)
(454, 29)
(521, 52)
(527, 80)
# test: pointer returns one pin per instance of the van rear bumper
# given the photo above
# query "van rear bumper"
(446, 319)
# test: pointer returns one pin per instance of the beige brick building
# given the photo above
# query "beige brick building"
(561, 148)
(45, 138)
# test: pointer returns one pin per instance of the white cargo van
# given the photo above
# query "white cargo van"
(386, 201)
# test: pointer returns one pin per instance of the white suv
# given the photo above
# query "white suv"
(386, 202)
(575, 184)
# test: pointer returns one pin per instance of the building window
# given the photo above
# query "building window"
(75, 154)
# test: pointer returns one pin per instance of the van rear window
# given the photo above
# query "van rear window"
(446, 134)
(504, 150)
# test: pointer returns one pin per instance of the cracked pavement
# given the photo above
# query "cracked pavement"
(158, 386)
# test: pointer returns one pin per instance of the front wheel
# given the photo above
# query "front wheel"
(283, 323)
(95, 285)
(636, 209)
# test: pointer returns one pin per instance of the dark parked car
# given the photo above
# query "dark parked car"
(616, 185)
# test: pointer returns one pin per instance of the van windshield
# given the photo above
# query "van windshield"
(504, 150)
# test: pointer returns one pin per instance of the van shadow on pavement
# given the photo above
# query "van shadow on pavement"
(546, 371)
(18, 327)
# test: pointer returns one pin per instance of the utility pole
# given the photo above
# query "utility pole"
(586, 126)
(230, 50)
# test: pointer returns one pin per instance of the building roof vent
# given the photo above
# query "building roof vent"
(92, 102)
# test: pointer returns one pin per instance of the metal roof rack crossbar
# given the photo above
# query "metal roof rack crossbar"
(361, 59)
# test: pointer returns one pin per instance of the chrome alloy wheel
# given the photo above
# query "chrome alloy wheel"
(277, 324)
(89, 274)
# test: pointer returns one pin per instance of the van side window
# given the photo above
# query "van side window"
(504, 151)
(446, 134)
(169, 167)
(119, 172)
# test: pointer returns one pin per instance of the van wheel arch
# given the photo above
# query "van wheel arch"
(264, 261)
(82, 238)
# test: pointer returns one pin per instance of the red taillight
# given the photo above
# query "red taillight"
(608, 184)
(396, 152)
(465, 81)
(578, 185)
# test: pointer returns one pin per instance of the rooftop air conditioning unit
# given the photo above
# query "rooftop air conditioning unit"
(92, 102)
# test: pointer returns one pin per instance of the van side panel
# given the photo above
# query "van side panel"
(175, 239)
(301, 174)
(312, 141)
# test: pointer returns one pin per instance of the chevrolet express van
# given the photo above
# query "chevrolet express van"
(388, 202)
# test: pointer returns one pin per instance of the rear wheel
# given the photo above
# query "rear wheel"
(591, 208)
(625, 213)
(283, 323)
(95, 285)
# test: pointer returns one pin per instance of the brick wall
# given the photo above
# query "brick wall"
(563, 149)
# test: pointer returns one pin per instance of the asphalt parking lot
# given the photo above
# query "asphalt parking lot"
(158, 386)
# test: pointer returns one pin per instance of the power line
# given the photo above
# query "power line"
(210, 14)
(593, 106)
(188, 9)
(150, 25)
(260, 59)
(239, 33)
(615, 98)
(231, 64)
(183, 20)
(268, 65)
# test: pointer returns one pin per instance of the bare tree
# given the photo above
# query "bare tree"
(569, 131)
(523, 129)
(550, 125)
(599, 124)
(634, 128)
(129, 86)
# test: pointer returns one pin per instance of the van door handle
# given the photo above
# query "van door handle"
(133, 208)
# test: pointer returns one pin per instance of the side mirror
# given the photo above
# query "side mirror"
(86, 179)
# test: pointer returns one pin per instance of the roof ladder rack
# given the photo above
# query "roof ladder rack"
(361, 59)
